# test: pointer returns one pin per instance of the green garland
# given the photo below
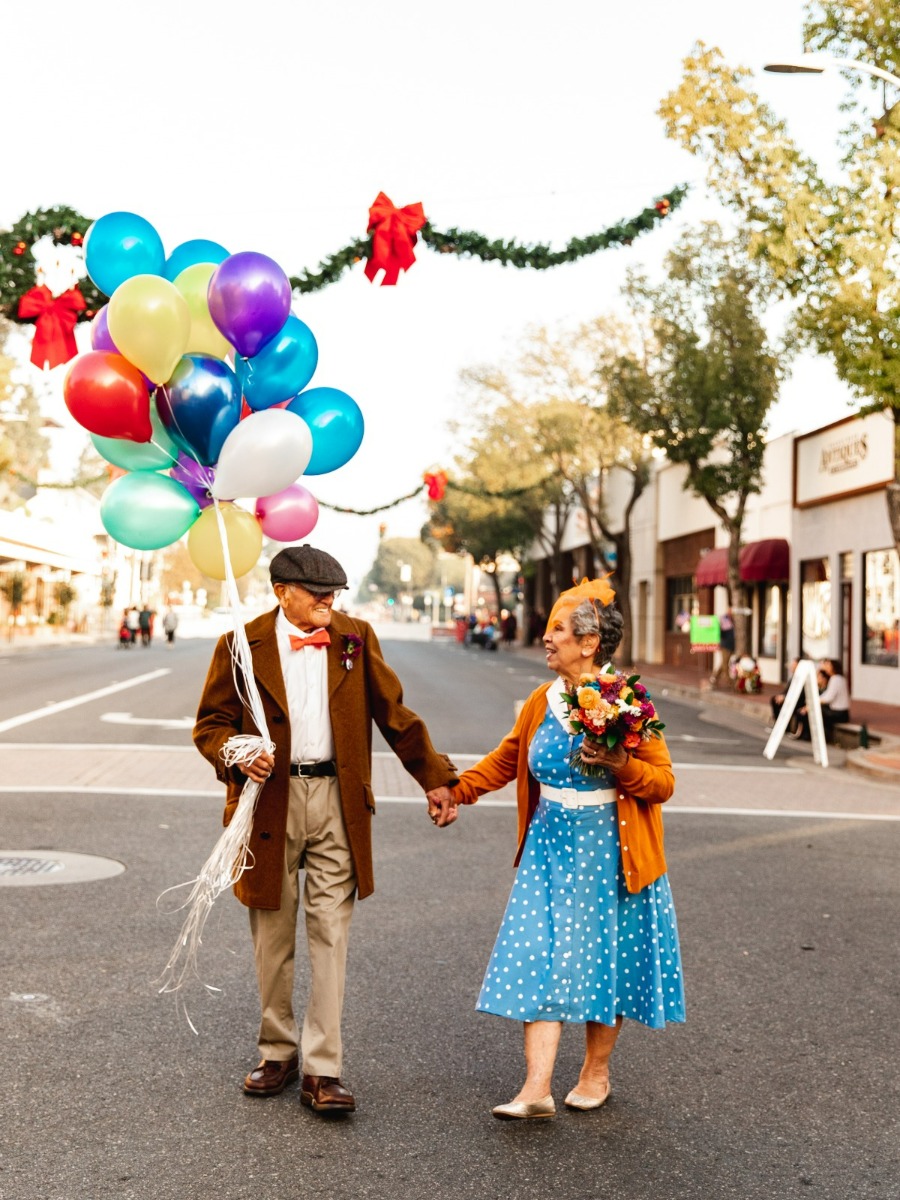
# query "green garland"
(17, 265)
(468, 244)
(67, 227)
(505, 494)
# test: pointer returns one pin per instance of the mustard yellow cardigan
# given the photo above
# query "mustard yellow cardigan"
(646, 781)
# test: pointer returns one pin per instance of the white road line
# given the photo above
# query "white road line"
(50, 709)
(689, 809)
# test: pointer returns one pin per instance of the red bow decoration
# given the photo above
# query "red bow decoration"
(320, 638)
(54, 330)
(393, 233)
(437, 484)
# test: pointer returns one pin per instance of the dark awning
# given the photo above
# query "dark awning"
(766, 561)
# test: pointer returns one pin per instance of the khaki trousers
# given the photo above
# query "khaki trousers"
(316, 841)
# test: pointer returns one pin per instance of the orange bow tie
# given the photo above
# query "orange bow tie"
(320, 638)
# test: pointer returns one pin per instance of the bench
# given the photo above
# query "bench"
(854, 737)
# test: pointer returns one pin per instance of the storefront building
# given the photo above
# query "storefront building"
(819, 567)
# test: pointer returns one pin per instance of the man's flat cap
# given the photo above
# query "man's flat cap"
(311, 568)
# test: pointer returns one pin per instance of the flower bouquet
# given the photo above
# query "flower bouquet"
(613, 709)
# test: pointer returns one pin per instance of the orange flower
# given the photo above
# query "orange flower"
(631, 741)
(589, 698)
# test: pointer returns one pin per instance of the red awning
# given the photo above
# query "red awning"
(712, 569)
(767, 561)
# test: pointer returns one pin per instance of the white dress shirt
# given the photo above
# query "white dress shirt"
(306, 683)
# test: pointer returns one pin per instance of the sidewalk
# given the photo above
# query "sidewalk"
(881, 761)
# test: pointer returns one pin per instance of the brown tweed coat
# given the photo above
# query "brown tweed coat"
(369, 691)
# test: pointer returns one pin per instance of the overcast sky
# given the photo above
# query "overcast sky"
(272, 126)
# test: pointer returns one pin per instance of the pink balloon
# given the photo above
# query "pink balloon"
(289, 515)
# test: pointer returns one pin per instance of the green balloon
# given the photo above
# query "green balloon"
(156, 455)
(147, 511)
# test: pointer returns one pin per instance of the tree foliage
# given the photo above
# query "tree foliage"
(706, 377)
(545, 421)
(387, 572)
(832, 244)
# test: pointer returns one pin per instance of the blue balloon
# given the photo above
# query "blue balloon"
(336, 423)
(282, 368)
(200, 405)
(188, 254)
(120, 245)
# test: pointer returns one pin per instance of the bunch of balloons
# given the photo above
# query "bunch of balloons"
(197, 387)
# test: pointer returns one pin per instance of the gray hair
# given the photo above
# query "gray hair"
(602, 619)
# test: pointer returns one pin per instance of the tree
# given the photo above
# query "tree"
(558, 430)
(401, 565)
(704, 384)
(831, 245)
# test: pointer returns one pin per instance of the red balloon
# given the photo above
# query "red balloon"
(107, 396)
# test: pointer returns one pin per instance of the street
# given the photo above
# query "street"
(782, 1083)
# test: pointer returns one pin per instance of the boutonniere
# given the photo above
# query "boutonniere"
(351, 650)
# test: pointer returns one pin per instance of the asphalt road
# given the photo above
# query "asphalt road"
(782, 1083)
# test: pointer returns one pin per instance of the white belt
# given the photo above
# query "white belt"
(571, 798)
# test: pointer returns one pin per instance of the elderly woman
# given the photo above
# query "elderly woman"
(589, 935)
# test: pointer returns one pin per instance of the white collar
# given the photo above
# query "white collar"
(556, 704)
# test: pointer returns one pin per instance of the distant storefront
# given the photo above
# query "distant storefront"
(847, 573)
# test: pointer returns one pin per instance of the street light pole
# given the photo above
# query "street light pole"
(814, 64)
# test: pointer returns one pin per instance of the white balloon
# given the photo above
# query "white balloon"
(263, 454)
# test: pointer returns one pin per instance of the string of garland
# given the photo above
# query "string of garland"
(469, 244)
(435, 484)
(86, 481)
(68, 227)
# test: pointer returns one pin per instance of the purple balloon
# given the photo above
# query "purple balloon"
(194, 476)
(249, 300)
(101, 340)
(100, 337)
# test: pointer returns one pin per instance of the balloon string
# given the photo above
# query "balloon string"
(231, 855)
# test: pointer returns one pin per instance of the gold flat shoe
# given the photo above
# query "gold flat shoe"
(585, 1103)
(518, 1110)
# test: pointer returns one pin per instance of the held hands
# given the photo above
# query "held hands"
(442, 806)
(601, 756)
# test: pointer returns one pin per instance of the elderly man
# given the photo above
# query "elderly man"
(323, 681)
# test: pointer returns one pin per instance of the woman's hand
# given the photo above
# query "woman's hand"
(595, 754)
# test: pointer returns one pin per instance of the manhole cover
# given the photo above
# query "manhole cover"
(29, 868)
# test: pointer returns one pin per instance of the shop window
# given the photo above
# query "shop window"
(815, 607)
(881, 571)
(770, 632)
(681, 603)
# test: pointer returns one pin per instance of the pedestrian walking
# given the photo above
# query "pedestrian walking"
(323, 681)
(170, 624)
(145, 622)
(133, 622)
(589, 935)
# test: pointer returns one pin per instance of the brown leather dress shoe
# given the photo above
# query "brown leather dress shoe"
(271, 1078)
(325, 1093)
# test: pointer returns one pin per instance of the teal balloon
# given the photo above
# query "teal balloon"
(120, 245)
(147, 511)
(282, 368)
(156, 455)
(188, 254)
(336, 424)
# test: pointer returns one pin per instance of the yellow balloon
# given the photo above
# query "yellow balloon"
(150, 323)
(245, 539)
(193, 283)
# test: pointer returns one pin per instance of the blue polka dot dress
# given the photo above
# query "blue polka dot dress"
(575, 945)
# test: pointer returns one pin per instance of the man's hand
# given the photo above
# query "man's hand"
(259, 768)
(442, 806)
